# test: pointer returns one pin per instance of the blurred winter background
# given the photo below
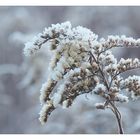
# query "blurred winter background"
(21, 78)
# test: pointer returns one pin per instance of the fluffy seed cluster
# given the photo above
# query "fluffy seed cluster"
(81, 64)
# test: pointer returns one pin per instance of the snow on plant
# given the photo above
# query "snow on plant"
(83, 64)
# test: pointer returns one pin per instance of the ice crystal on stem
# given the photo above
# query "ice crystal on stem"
(82, 64)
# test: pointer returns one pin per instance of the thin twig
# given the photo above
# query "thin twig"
(115, 110)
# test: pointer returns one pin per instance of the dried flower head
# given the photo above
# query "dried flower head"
(82, 64)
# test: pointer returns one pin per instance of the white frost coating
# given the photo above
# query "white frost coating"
(31, 47)
(58, 28)
(58, 95)
(136, 62)
(132, 84)
(56, 99)
(35, 44)
(99, 88)
(111, 58)
(56, 75)
(84, 34)
(71, 72)
(65, 104)
(43, 90)
(86, 65)
(122, 98)
(64, 29)
(43, 113)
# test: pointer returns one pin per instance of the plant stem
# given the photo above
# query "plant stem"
(112, 105)
(118, 117)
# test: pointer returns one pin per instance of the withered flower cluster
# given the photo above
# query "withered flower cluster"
(82, 64)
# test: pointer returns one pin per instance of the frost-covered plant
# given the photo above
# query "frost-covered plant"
(83, 64)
